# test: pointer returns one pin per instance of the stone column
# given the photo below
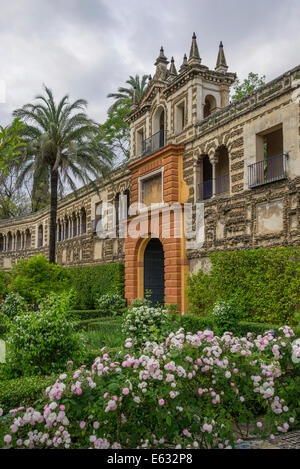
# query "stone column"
(214, 162)
(80, 222)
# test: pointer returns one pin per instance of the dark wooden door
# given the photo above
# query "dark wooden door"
(154, 275)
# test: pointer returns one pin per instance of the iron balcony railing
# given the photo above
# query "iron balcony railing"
(271, 169)
(206, 188)
(154, 143)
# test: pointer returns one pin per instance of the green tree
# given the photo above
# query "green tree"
(123, 94)
(116, 130)
(35, 278)
(249, 84)
(10, 144)
(66, 142)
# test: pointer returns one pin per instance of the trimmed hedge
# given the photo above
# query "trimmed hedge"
(266, 282)
(23, 391)
(195, 323)
(93, 324)
(94, 281)
(88, 314)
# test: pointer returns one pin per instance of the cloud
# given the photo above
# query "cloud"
(87, 48)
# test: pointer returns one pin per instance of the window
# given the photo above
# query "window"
(151, 188)
(179, 117)
(271, 162)
(139, 141)
(209, 106)
(269, 143)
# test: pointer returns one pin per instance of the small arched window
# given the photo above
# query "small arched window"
(210, 105)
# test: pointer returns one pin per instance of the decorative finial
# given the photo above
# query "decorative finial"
(161, 66)
(184, 65)
(194, 59)
(221, 60)
(172, 70)
(134, 104)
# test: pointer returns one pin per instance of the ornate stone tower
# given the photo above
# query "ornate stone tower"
(175, 101)
(161, 126)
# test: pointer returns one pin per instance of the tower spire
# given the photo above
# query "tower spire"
(221, 60)
(194, 59)
(161, 64)
(172, 70)
(184, 65)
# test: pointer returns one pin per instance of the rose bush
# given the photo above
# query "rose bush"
(190, 391)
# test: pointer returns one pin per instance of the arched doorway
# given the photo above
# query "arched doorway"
(154, 271)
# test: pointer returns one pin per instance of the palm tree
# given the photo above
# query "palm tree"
(124, 93)
(64, 141)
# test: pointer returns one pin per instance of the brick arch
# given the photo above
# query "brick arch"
(175, 267)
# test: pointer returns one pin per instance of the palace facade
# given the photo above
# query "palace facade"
(235, 167)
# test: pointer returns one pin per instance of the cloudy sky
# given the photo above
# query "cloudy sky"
(88, 48)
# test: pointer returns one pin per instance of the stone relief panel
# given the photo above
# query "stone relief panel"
(269, 217)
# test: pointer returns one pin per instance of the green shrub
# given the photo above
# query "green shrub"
(266, 281)
(23, 391)
(92, 282)
(13, 305)
(3, 284)
(138, 302)
(226, 315)
(43, 341)
(193, 323)
(35, 278)
(98, 323)
(87, 314)
(111, 304)
(145, 323)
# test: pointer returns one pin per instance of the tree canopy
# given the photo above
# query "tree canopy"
(251, 83)
(64, 144)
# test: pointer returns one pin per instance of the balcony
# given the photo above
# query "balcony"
(272, 169)
(206, 188)
(154, 143)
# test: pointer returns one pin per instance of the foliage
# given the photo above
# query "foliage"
(106, 334)
(191, 391)
(172, 308)
(13, 305)
(145, 323)
(125, 94)
(10, 144)
(146, 301)
(194, 323)
(226, 315)
(117, 132)
(35, 278)
(62, 145)
(92, 282)
(87, 314)
(23, 391)
(111, 304)
(43, 341)
(249, 84)
(3, 284)
(265, 281)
